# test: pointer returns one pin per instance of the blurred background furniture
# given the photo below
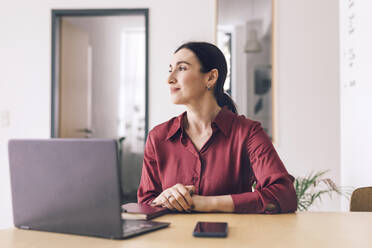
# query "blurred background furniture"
(361, 200)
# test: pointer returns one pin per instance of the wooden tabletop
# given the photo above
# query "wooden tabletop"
(342, 229)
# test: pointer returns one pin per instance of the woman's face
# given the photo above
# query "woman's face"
(186, 82)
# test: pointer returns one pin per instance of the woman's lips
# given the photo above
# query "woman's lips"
(173, 90)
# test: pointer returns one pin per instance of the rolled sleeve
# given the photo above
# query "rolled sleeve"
(246, 202)
(279, 191)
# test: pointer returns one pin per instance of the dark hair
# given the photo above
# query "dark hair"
(211, 57)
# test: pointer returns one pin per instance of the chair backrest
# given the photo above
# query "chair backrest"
(361, 200)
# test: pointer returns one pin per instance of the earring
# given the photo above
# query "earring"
(209, 88)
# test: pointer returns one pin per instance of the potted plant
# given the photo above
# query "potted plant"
(313, 187)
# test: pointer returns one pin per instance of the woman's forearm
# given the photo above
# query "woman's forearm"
(222, 203)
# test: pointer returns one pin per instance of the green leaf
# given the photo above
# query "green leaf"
(311, 189)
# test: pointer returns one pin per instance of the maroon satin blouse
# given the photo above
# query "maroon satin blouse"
(237, 154)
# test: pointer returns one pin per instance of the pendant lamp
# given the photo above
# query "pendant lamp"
(252, 44)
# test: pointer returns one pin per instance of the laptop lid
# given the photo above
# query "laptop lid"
(66, 185)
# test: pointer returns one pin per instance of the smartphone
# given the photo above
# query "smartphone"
(210, 229)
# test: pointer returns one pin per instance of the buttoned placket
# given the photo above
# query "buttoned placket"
(186, 141)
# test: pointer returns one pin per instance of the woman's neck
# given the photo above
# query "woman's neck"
(200, 116)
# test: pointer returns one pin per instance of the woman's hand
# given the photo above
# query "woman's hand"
(177, 197)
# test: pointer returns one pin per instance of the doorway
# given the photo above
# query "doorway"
(100, 82)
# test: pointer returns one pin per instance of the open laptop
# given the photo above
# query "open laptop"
(70, 186)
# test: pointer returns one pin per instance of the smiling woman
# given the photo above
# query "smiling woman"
(207, 158)
(209, 65)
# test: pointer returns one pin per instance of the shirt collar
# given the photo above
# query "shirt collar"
(176, 125)
(223, 121)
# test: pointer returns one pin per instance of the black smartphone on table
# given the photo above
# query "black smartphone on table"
(210, 229)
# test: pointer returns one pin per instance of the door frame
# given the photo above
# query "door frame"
(57, 14)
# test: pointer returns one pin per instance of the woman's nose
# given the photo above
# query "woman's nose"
(171, 78)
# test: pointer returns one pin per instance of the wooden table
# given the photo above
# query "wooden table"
(343, 229)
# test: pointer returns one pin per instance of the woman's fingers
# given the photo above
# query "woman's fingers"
(162, 200)
(186, 195)
(156, 201)
(180, 199)
(176, 197)
(174, 202)
(166, 202)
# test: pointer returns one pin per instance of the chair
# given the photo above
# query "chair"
(361, 200)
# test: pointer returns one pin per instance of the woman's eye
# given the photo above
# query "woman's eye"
(182, 68)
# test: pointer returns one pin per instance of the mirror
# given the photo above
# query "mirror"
(244, 34)
(100, 82)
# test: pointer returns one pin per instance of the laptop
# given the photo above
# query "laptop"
(70, 186)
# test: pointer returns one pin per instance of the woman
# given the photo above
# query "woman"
(207, 158)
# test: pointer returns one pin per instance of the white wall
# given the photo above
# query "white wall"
(356, 94)
(25, 48)
(306, 74)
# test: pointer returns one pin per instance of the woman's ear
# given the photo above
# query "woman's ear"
(212, 78)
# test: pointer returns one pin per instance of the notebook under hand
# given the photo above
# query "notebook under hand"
(136, 211)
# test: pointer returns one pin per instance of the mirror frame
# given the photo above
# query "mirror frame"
(274, 138)
(57, 14)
